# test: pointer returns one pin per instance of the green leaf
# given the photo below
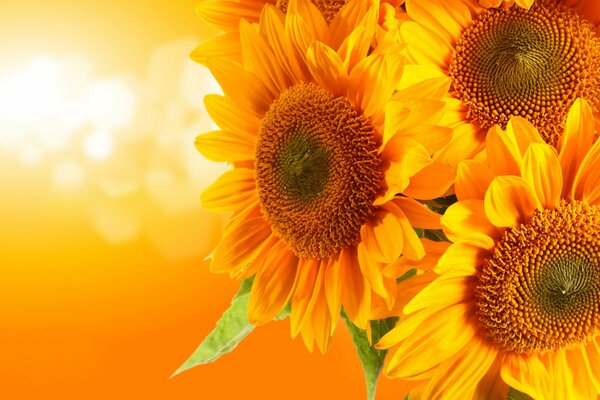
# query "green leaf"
(408, 274)
(437, 235)
(231, 329)
(514, 394)
(371, 359)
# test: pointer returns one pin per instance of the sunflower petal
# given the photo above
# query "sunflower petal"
(231, 191)
(303, 290)
(433, 342)
(509, 201)
(356, 291)
(418, 215)
(472, 180)
(230, 117)
(575, 141)
(226, 45)
(272, 285)
(466, 221)
(541, 170)
(527, 374)
(586, 185)
(226, 146)
(239, 246)
(327, 68)
(458, 377)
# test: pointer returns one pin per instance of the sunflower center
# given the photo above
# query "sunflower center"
(531, 63)
(541, 289)
(329, 8)
(317, 170)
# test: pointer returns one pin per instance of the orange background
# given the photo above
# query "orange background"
(88, 311)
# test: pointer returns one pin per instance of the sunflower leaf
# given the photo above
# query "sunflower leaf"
(231, 329)
(371, 359)
(514, 394)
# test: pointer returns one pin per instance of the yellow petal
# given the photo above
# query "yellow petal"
(466, 221)
(591, 359)
(586, 185)
(273, 28)
(522, 133)
(239, 246)
(491, 386)
(408, 325)
(356, 291)
(461, 258)
(446, 290)
(381, 237)
(427, 46)
(258, 56)
(241, 86)
(433, 342)
(333, 289)
(436, 17)
(541, 170)
(353, 14)
(371, 269)
(226, 45)
(418, 215)
(229, 116)
(327, 68)
(318, 323)
(226, 15)
(467, 141)
(302, 293)
(404, 157)
(575, 141)
(509, 201)
(526, 374)
(503, 155)
(412, 246)
(472, 180)
(431, 182)
(370, 82)
(232, 191)
(458, 377)
(272, 285)
(226, 146)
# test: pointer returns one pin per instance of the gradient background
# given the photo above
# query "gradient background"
(103, 287)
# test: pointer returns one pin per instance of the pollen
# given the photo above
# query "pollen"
(540, 291)
(529, 63)
(329, 8)
(318, 171)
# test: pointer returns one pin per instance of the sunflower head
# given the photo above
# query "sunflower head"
(322, 145)
(517, 292)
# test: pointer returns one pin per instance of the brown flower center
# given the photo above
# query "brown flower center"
(329, 8)
(532, 63)
(317, 170)
(541, 289)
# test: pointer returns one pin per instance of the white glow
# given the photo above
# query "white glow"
(99, 145)
(110, 104)
(30, 156)
(68, 175)
(31, 94)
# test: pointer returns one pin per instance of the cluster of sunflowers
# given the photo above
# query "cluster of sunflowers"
(430, 168)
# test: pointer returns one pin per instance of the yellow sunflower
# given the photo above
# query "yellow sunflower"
(226, 15)
(516, 299)
(317, 166)
(531, 62)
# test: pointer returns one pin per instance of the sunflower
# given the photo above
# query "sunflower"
(516, 299)
(531, 62)
(317, 167)
(501, 3)
(226, 15)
